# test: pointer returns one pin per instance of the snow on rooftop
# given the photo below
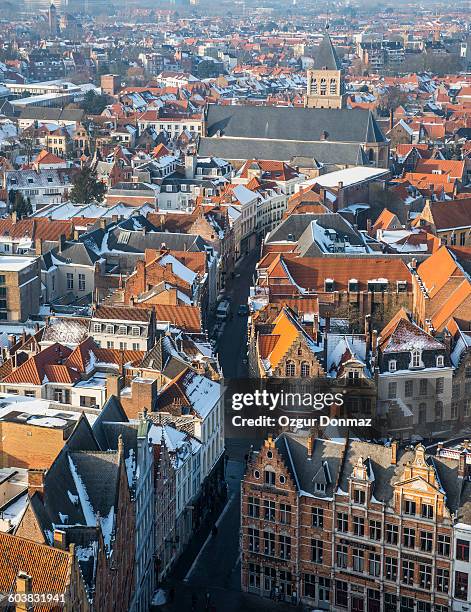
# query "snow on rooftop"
(10, 263)
(347, 176)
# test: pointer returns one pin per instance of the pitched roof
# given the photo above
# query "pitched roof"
(182, 316)
(48, 567)
(385, 220)
(452, 214)
(326, 57)
(122, 313)
(293, 124)
(400, 334)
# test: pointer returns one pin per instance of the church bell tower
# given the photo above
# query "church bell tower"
(325, 85)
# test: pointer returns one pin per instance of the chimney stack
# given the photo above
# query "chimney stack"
(462, 465)
(310, 445)
(60, 540)
(36, 481)
(394, 447)
(24, 586)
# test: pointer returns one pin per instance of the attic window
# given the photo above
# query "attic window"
(320, 487)
(353, 284)
(328, 285)
(378, 285)
(440, 361)
(30, 181)
(416, 359)
(401, 286)
(392, 365)
(49, 179)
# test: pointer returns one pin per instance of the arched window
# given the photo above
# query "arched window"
(333, 86)
(438, 411)
(314, 86)
(323, 87)
(371, 155)
(290, 369)
(305, 369)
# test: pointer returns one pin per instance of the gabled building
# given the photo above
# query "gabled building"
(350, 525)
(285, 350)
(414, 378)
(442, 288)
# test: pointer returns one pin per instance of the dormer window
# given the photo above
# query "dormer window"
(416, 359)
(353, 284)
(359, 496)
(440, 361)
(328, 285)
(392, 365)
(401, 286)
(319, 487)
(110, 329)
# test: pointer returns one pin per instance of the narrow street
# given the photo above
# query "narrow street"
(232, 346)
(212, 564)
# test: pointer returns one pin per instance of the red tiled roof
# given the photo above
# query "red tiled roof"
(48, 567)
(184, 317)
(122, 313)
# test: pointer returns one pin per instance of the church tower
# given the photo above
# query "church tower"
(325, 86)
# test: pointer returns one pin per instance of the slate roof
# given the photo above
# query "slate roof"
(42, 113)
(293, 124)
(99, 472)
(332, 462)
(329, 153)
(163, 358)
(326, 57)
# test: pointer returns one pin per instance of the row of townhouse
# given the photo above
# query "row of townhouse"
(412, 383)
(136, 477)
(358, 526)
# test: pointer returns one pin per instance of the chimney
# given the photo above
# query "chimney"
(36, 481)
(141, 275)
(413, 263)
(62, 242)
(310, 445)
(394, 445)
(447, 341)
(113, 385)
(60, 540)
(462, 466)
(368, 227)
(14, 216)
(38, 246)
(391, 119)
(23, 586)
(340, 185)
(374, 346)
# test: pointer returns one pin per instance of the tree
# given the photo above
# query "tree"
(87, 188)
(20, 205)
(93, 103)
(391, 99)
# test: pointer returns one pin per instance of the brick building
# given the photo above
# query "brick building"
(350, 525)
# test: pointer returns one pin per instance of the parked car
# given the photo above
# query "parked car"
(243, 310)
(223, 310)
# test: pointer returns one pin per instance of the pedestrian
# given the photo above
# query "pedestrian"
(208, 598)
(294, 598)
